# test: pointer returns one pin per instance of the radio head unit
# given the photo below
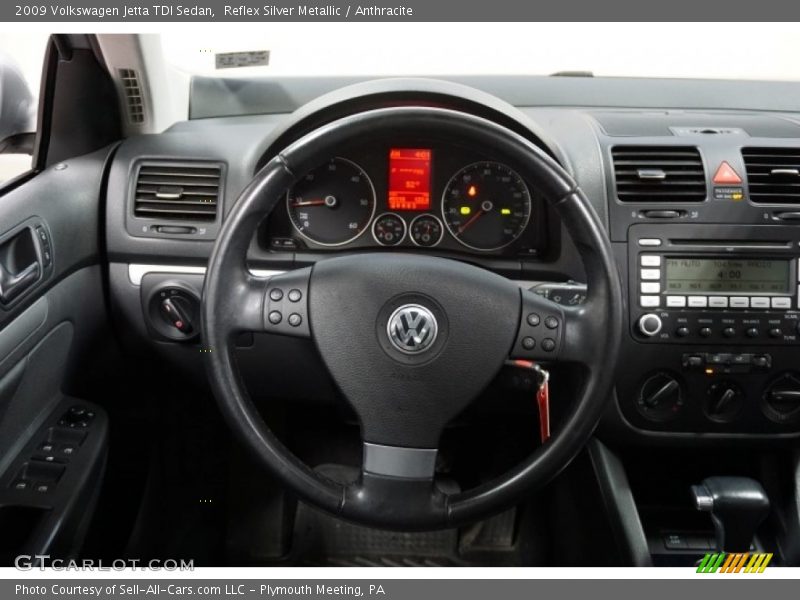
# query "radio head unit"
(689, 288)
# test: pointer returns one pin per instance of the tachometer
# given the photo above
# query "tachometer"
(486, 206)
(332, 204)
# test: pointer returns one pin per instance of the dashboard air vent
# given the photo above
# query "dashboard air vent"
(183, 192)
(134, 103)
(773, 175)
(659, 174)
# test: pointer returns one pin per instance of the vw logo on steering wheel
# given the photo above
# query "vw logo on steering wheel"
(412, 328)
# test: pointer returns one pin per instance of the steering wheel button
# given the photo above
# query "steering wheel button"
(533, 319)
(295, 295)
(276, 294)
(275, 317)
(295, 320)
(548, 345)
(551, 322)
(528, 343)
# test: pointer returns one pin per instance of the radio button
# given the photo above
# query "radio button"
(651, 260)
(651, 287)
(649, 242)
(781, 303)
(739, 302)
(759, 302)
(718, 301)
(651, 274)
(676, 301)
(650, 301)
(698, 301)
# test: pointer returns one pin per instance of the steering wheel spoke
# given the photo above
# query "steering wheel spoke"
(550, 332)
(396, 487)
(399, 462)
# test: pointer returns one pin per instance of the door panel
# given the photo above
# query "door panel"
(45, 331)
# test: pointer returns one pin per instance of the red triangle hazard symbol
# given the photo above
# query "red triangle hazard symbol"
(726, 175)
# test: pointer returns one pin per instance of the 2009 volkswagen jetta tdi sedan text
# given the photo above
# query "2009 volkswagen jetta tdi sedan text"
(258, 319)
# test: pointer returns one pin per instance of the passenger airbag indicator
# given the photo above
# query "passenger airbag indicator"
(409, 179)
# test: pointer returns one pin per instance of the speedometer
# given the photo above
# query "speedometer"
(332, 204)
(486, 206)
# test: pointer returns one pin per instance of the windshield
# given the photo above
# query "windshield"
(756, 51)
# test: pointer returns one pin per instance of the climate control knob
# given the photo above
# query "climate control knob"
(724, 401)
(660, 397)
(649, 324)
(781, 401)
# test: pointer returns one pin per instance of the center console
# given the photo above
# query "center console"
(706, 228)
(714, 326)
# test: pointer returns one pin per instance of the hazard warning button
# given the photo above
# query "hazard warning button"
(725, 175)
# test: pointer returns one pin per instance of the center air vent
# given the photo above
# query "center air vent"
(184, 192)
(659, 174)
(773, 174)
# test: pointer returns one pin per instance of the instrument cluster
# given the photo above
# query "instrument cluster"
(410, 195)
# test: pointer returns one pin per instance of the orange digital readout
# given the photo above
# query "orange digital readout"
(409, 179)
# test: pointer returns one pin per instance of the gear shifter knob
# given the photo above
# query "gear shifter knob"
(737, 505)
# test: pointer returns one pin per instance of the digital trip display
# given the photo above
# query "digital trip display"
(693, 275)
(409, 179)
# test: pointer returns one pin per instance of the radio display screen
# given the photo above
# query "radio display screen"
(726, 275)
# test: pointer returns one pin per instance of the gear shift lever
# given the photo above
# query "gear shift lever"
(737, 505)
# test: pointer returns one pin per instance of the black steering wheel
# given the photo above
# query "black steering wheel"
(439, 330)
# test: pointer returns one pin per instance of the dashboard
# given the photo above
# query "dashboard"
(702, 208)
(416, 194)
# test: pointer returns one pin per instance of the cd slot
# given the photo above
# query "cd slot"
(736, 244)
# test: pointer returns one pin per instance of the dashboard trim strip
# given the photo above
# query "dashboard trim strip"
(137, 271)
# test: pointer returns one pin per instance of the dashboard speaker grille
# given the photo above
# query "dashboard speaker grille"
(177, 191)
(773, 175)
(659, 174)
(134, 102)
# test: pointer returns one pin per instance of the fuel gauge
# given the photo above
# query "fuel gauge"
(426, 231)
